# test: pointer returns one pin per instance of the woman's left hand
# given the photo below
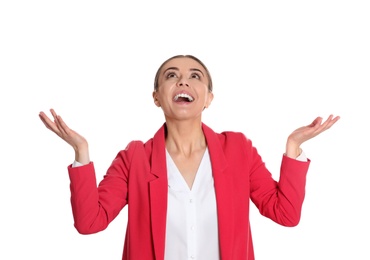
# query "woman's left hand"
(304, 133)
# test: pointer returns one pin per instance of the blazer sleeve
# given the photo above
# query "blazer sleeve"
(95, 206)
(281, 200)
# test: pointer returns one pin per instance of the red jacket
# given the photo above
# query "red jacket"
(137, 177)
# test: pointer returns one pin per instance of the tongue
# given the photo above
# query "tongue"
(182, 99)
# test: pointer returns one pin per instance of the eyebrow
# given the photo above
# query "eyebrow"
(176, 68)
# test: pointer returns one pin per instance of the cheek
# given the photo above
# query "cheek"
(165, 90)
(162, 96)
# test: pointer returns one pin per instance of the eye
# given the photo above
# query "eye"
(195, 76)
(171, 75)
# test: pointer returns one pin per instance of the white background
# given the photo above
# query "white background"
(276, 65)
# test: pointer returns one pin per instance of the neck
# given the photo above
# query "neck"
(185, 137)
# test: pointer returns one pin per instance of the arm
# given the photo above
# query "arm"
(93, 207)
(282, 201)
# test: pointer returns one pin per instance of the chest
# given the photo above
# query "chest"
(187, 166)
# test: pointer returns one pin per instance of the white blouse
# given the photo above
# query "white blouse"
(192, 231)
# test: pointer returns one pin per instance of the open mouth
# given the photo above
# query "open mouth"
(183, 97)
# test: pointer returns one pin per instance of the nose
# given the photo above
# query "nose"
(183, 82)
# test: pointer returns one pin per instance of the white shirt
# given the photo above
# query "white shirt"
(192, 231)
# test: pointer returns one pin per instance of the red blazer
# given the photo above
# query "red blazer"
(137, 177)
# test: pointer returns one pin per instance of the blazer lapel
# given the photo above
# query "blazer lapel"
(223, 189)
(158, 190)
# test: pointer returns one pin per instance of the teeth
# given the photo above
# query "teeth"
(183, 95)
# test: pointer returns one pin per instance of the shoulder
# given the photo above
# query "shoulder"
(132, 148)
(141, 149)
(227, 138)
(233, 137)
(235, 140)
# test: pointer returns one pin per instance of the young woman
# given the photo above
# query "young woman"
(188, 188)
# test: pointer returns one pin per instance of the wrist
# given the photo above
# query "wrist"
(82, 154)
(293, 150)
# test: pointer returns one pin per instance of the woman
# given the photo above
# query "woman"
(188, 188)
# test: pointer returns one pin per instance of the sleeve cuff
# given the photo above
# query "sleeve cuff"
(76, 164)
(302, 157)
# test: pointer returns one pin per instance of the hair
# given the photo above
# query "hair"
(210, 86)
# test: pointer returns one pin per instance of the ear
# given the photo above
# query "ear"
(209, 100)
(156, 101)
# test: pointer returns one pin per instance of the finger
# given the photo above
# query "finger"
(57, 121)
(316, 127)
(63, 126)
(44, 122)
(52, 111)
(328, 123)
(48, 123)
(331, 122)
(316, 122)
(52, 128)
(335, 119)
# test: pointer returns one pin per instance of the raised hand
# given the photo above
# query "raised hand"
(304, 133)
(60, 128)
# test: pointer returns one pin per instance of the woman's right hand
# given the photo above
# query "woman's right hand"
(60, 128)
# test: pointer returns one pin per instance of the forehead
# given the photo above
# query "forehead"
(183, 63)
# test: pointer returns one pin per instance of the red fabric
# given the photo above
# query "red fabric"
(137, 177)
